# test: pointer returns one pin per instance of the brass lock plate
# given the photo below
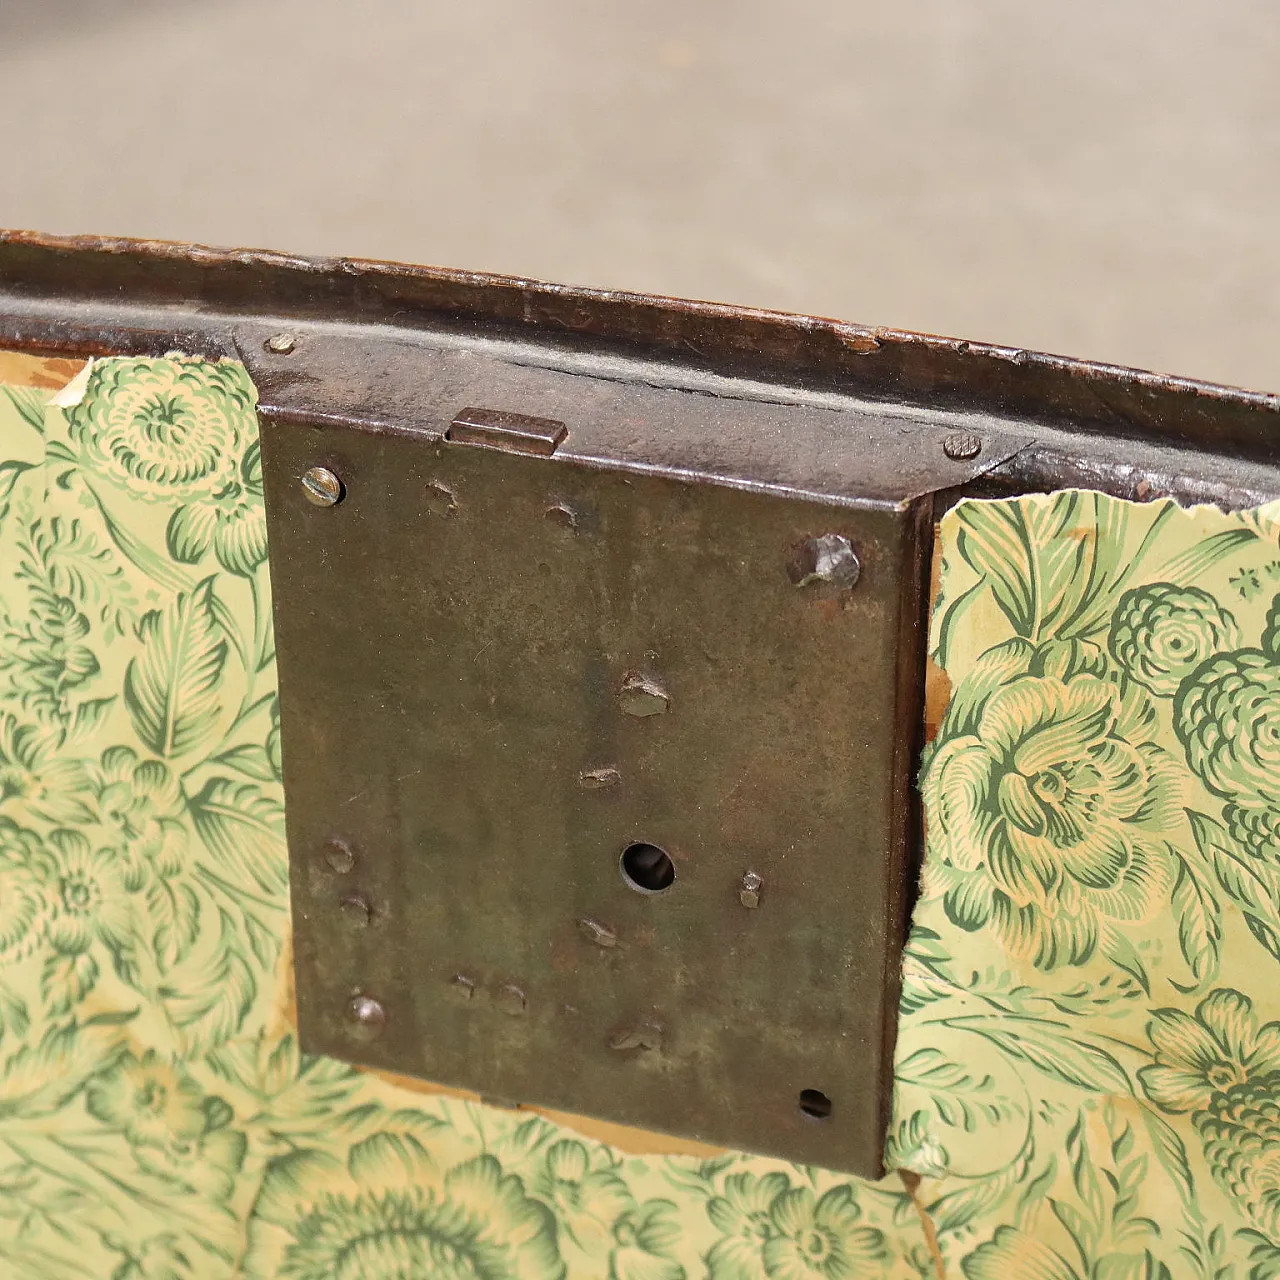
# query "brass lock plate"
(598, 773)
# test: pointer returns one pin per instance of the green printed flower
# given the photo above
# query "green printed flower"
(1046, 817)
(645, 1241)
(166, 430)
(233, 521)
(1161, 632)
(1227, 716)
(28, 875)
(36, 777)
(141, 803)
(1014, 1255)
(1256, 830)
(184, 433)
(1224, 1069)
(151, 1101)
(395, 1204)
(176, 1131)
(93, 896)
(773, 1231)
(584, 1192)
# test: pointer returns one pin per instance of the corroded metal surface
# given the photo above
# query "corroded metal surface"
(568, 727)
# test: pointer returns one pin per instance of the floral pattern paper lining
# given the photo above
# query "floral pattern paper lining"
(1088, 1075)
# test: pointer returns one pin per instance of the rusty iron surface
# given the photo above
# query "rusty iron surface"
(1125, 431)
(622, 804)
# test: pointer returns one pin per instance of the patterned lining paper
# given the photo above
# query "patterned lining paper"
(1089, 1055)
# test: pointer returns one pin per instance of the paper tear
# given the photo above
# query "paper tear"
(74, 391)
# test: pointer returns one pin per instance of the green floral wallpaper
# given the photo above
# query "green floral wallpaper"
(1089, 1058)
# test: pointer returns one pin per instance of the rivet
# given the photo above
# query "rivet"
(511, 999)
(356, 912)
(598, 933)
(961, 446)
(462, 988)
(339, 857)
(829, 558)
(367, 1013)
(321, 487)
(641, 696)
(562, 516)
(749, 890)
(598, 779)
(281, 344)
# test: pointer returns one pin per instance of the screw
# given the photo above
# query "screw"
(462, 987)
(641, 696)
(511, 999)
(321, 487)
(598, 779)
(367, 1013)
(339, 857)
(598, 933)
(281, 344)
(962, 446)
(749, 890)
(829, 558)
(356, 912)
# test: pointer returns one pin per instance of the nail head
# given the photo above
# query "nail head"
(828, 558)
(641, 696)
(961, 446)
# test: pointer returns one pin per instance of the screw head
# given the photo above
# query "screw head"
(749, 890)
(960, 446)
(641, 696)
(596, 932)
(339, 857)
(280, 344)
(321, 487)
(562, 516)
(828, 559)
(367, 1014)
(462, 988)
(356, 912)
(511, 999)
(599, 779)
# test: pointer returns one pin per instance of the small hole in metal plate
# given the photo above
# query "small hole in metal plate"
(647, 868)
(815, 1104)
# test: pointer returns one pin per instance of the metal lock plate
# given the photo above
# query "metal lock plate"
(598, 774)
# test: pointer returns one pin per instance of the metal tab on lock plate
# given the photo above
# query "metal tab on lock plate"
(599, 712)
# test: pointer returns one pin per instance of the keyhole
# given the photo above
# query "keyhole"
(647, 869)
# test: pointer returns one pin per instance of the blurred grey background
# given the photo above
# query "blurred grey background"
(1097, 178)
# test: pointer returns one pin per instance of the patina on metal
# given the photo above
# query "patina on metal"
(554, 746)
(545, 699)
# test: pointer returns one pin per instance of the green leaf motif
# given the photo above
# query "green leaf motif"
(1199, 916)
(171, 688)
(1252, 884)
(250, 759)
(244, 829)
(1059, 1054)
(213, 1011)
